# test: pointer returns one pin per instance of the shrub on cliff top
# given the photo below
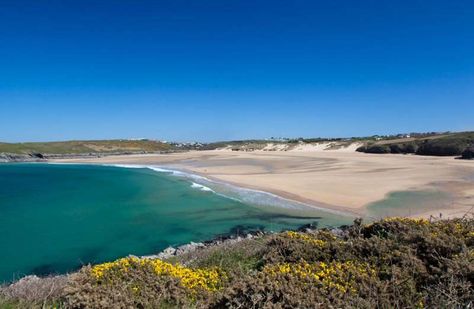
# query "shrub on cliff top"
(395, 262)
(447, 146)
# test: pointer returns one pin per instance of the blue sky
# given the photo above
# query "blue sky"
(219, 70)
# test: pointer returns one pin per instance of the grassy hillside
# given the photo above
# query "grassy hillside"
(393, 263)
(439, 145)
(446, 144)
(84, 147)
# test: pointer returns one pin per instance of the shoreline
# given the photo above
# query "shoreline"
(169, 236)
(345, 182)
(287, 197)
(191, 176)
(338, 210)
(189, 247)
(453, 212)
(292, 198)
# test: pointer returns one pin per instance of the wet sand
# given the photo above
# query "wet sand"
(347, 181)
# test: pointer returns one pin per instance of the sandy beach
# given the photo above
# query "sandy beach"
(340, 179)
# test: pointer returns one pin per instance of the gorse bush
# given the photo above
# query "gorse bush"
(392, 263)
(193, 279)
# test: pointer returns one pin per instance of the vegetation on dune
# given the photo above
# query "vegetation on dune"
(395, 262)
(432, 143)
(444, 145)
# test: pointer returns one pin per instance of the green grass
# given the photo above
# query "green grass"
(8, 304)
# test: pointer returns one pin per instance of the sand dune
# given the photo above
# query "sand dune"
(302, 147)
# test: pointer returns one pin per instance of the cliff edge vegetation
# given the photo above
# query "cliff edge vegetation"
(450, 144)
(395, 262)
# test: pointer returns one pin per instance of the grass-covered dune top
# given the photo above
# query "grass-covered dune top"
(393, 263)
(453, 144)
(85, 147)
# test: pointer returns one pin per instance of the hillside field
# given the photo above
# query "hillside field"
(85, 147)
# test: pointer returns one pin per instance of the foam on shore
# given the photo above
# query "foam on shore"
(201, 187)
(249, 196)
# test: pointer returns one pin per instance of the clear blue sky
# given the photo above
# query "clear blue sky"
(227, 69)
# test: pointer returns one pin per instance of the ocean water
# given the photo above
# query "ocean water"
(54, 218)
(408, 203)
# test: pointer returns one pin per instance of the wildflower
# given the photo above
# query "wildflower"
(306, 238)
(194, 279)
(414, 221)
(335, 275)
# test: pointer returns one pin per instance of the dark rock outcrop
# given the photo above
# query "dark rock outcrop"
(468, 153)
(10, 157)
(37, 155)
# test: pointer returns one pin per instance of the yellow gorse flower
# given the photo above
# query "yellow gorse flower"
(209, 279)
(407, 220)
(334, 275)
(306, 238)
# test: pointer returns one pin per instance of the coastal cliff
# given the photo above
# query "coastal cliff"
(452, 144)
(42, 151)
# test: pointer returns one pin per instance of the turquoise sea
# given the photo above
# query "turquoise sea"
(55, 218)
